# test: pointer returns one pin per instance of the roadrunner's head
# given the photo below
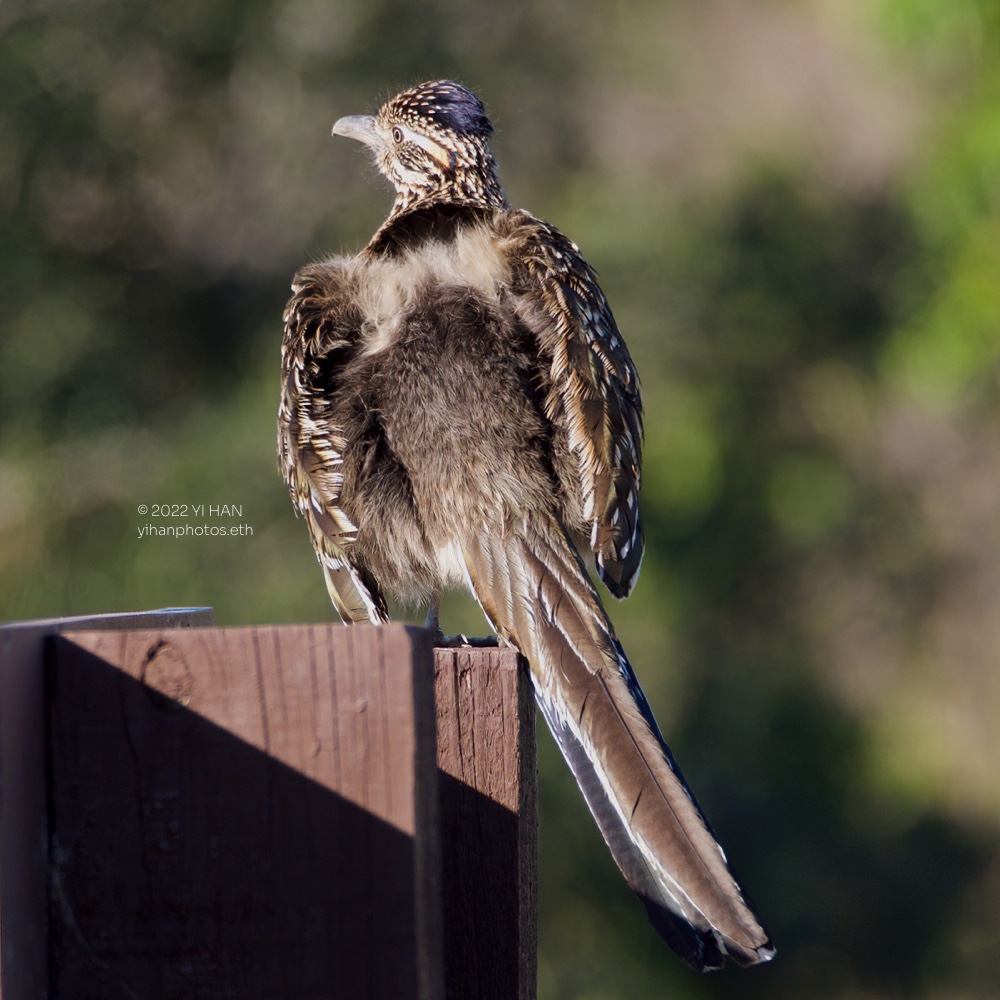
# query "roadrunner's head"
(432, 142)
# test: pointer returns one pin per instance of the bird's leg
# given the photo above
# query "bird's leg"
(433, 619)
(433, 622)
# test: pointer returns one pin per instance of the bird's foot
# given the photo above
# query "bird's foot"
(460, 640)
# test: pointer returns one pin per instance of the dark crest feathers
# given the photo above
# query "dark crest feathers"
(447, 104)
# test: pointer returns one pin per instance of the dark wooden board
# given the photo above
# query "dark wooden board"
(242, 813)
(23, 843)
(486, 753)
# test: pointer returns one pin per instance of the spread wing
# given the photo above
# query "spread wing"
(593, 389)
(318, 328)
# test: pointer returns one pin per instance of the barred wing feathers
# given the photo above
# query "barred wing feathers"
(310, 445)
(594, 390)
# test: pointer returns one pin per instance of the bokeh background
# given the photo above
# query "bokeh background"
(794, 206)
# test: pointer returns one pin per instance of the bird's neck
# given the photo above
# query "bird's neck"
(432, 220)
(414, 201)
(477, 188)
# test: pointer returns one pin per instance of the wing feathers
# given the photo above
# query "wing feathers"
(594, 390)
(310, 444)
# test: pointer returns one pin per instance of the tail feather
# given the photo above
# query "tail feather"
(535, 590)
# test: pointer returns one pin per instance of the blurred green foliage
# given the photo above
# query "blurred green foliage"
(795, 210)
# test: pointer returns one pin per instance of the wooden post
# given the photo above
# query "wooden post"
(486, 754)
(262, 812)
(23, 838)
(245, 813)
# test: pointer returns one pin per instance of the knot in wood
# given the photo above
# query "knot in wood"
(167, 677)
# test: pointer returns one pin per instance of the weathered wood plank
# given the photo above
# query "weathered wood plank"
(243, 813)
(23, 844)
(486, 753)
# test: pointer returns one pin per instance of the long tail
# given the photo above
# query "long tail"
(537, 594)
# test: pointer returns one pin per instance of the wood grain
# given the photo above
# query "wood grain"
(23, 844)
(486, 753)
(243, 813)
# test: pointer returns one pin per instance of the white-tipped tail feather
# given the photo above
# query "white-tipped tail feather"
(534, 588)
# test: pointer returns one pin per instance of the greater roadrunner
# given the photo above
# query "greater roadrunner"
(458, 407)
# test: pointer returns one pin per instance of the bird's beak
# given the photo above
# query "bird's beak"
(360, 127)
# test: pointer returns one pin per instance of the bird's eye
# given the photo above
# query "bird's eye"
(397, 135)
